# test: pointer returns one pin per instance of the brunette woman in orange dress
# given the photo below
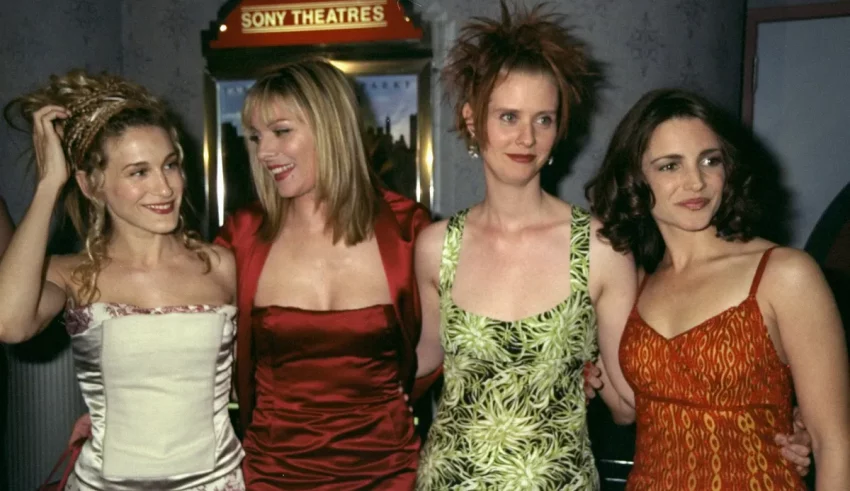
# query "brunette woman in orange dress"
(726, 325)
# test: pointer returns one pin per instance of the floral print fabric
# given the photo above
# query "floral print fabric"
(512, 414)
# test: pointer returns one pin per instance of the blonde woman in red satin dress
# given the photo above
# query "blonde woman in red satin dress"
(329, 313)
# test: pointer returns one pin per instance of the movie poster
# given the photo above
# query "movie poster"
(236, 188)
(388, 108)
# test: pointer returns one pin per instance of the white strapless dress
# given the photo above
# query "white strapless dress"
(157, 384)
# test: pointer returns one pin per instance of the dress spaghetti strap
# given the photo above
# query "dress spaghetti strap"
(760, 270)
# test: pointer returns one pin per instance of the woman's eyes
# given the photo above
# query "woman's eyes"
(512, 118)
(278, 132)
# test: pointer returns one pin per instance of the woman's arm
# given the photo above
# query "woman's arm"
(812, 338)
(613, 287)
(427, 257)
(32, 292)
(7, 228)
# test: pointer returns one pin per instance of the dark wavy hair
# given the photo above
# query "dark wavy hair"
(531, 41)
(621, 198)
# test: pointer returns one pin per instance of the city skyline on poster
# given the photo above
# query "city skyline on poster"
(231, 96)
(388, 106)
(382, 97)
(390, 98)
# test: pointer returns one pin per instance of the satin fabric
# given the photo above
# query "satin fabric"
(86, 326)
(398, 222)
(330, 414)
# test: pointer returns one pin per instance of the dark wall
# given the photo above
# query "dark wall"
(38, 38)
(642, 45)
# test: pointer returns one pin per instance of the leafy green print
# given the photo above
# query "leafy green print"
(529, 471)
(512, 412)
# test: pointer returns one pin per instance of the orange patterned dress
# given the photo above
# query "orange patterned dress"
(709, 402)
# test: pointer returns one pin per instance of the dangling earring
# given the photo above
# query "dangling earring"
(473, 150)
(551, 159)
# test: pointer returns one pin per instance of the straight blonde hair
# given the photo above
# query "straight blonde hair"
(325, 99)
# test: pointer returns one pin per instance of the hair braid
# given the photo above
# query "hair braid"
(102, 107)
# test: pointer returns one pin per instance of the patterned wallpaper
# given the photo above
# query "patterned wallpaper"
(161, 41)
(42, 37)
(643, 44)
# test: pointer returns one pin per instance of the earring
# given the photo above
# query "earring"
(551, 159)
(473, 150)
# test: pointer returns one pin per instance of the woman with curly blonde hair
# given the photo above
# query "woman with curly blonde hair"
(147, 305)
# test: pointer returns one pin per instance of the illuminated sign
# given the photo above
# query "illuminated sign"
(303, 17)
(275, 23)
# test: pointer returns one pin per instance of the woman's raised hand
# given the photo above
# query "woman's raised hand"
(47, 142)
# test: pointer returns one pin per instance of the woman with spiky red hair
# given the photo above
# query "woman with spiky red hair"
(512, 413)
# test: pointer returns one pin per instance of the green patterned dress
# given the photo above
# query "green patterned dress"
(512, 414)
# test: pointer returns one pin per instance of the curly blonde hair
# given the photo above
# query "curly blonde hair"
(102, 107)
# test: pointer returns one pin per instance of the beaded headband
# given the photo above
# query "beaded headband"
(90, 113)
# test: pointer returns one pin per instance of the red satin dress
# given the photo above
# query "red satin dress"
(329, 414)
(709, 402)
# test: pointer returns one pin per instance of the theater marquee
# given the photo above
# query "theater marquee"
(299, 17)
(261, 23)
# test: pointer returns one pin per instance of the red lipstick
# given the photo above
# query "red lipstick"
(161, 208)
(694, 204)
(522, 158)
(281, 172)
